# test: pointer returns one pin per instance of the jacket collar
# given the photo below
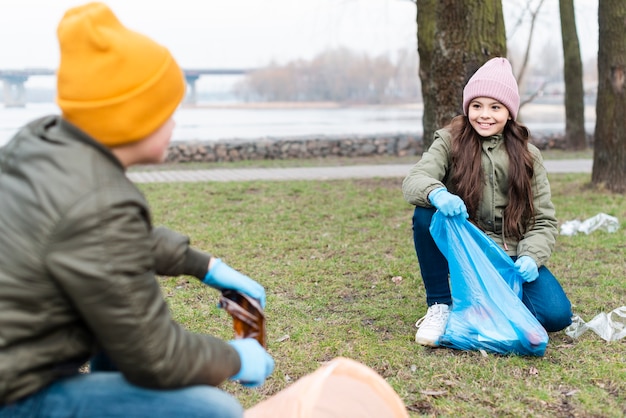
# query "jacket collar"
(57, 129)
(493, 141)
(496, 138)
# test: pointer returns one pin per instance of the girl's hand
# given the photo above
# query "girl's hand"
(527, 268)
(447, 203)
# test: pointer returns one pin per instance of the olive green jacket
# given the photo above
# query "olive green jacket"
(434, 171)
(78, 259)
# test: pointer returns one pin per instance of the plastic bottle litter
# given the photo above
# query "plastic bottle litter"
(599, 222)
(610, 327)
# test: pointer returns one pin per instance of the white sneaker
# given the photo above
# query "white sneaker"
(432, 326)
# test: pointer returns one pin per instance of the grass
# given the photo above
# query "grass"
(327, 252)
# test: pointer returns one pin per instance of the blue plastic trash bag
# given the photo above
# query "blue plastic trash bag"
(487, 311)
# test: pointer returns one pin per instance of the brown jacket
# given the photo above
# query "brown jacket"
(78, 257)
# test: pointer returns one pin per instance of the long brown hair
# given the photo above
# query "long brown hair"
(467, 173)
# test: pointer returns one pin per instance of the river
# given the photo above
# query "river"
(229, 121)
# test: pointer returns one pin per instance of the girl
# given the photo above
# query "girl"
(482, 167)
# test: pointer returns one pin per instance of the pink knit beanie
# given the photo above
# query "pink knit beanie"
(494, 79)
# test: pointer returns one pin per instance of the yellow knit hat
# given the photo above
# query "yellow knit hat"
(115, 84)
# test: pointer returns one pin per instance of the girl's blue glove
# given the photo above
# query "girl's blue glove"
(447, 203)
(221, 276)
(256, 363)
(527, 268)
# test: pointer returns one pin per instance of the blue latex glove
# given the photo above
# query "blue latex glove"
(527, 268)
(447, 203)
(221, 276)
(256, 363)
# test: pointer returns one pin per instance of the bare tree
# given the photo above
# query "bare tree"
(339, 75)
(609, 154)
(533, 20)
(454, 39)
(573, 74)
(522, 68)
(406, 83)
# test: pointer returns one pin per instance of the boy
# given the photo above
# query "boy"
(79, 254)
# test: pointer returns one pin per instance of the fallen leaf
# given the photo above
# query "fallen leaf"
(533, 371)
(396, 279)
(283, 338)
(434, 393)
(564, 346)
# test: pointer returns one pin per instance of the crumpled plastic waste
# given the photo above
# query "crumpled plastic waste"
(600, 222)
(610, 327)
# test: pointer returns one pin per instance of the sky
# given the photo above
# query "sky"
(252, 33)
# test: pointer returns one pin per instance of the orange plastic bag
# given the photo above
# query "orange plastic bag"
(343, 388)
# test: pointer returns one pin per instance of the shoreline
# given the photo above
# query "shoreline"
(315, 147)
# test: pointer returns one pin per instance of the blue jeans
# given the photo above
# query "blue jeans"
(544, 297)
(108, 394)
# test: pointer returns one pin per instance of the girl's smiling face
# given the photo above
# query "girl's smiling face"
(487, 116)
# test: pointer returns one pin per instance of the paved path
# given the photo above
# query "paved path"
(314, 173)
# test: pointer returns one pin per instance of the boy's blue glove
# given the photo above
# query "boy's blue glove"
(448, 204)
(527, 268)
(221, 276)
(256, 363)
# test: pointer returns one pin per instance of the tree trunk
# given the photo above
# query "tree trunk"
(425, 45)
(454, 39)
(609, 154)
(573, 73)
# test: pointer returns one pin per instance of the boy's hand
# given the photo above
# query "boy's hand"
(221, 276)
(256, 363)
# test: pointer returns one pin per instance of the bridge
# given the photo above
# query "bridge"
(15, 91)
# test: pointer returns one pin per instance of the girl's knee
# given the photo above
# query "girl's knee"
(557, 320)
